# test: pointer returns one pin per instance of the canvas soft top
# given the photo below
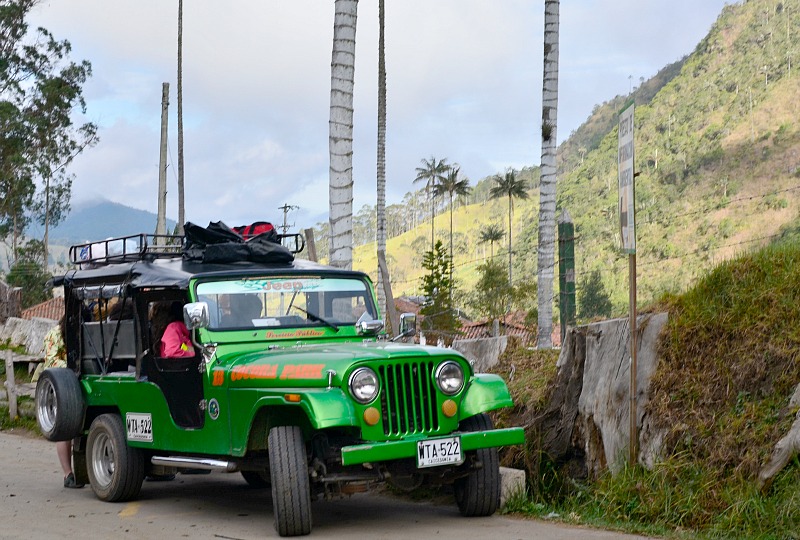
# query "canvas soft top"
(176, 273)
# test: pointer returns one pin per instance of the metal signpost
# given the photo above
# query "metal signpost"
(627, 211)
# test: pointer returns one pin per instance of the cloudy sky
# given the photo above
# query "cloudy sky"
(464, 83)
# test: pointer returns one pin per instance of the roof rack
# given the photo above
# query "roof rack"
(141, 247)
(136, 247)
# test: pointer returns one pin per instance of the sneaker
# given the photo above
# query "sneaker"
(69, 481)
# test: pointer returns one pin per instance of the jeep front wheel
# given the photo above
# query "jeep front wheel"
(478, 493)
(59, 404)
(116, 471)
(291, 494)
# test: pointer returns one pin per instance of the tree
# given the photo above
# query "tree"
(39, 91)
(440, 318)
(29, 272)
(493, 294)
(385, 296)
(594, 300)
(52, 205)
(492, 233)
(512, 187)
(340, 140)
(432, 172)
(547, 192)
(453, 187)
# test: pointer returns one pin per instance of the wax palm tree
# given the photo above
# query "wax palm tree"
(512, 187)
(493, 233)
(385, 297)
(340, 140)
(547, 193)
(432, 172)
(453, 187)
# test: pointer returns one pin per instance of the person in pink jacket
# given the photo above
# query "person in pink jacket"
(176, 342)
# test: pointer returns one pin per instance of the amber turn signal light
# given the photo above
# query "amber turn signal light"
(371, 416)
(449, 408)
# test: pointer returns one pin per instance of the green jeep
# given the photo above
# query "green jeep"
(292, 381)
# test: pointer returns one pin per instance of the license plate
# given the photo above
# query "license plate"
(139, 427)
(435, 452)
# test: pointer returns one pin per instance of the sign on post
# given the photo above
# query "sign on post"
(626, 181)
(627, 210)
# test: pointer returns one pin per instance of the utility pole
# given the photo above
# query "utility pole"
(181, 205)
(286, 209)
(161, 221)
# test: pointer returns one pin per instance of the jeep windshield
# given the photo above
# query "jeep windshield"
(285, 302)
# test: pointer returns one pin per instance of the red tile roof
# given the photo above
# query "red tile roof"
(51, 309)
(483, 329)
(406, 306)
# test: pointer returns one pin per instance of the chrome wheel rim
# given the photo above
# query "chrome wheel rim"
(103, 459)
(46, 407)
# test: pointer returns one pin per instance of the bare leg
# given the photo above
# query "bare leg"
(64, 451)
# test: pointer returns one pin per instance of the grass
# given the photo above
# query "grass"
(729, 362)
(23, 424)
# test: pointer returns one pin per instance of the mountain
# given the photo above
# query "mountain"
(98, 220)
(718, 157)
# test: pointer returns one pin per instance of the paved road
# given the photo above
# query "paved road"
(34, 505)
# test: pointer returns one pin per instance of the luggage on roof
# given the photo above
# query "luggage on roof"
(218, 243)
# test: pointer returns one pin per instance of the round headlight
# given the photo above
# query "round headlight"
(450, 377)
(364, 385)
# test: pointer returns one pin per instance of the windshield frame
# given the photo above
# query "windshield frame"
(323, 300)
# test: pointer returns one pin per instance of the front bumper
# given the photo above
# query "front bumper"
(407, 448)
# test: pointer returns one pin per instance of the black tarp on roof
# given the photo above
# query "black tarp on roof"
(218, 243)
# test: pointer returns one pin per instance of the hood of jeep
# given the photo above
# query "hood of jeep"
(309, 365)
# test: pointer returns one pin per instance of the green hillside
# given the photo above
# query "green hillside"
(721, 393)
(719, 155)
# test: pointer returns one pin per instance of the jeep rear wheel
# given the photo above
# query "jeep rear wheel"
(59, 404)
(291, 494)
(478, 494)
(116, 471)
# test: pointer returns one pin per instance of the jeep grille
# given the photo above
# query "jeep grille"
(408, 399)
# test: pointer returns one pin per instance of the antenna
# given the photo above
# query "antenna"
(286, 209)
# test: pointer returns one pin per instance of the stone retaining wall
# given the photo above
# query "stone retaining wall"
(29, 333)
(482, 353)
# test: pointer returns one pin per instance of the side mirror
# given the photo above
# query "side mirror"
(366, 325)
(408, 325)
(196, 315)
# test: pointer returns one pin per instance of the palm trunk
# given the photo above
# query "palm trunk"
(547, 197)
(510, 210)
(380, 208)
(433, 217)
(451, 250)
(340, 141)
(385, 296)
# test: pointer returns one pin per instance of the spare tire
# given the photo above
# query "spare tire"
(59, 404)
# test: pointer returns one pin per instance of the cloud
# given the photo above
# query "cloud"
(464, 82)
